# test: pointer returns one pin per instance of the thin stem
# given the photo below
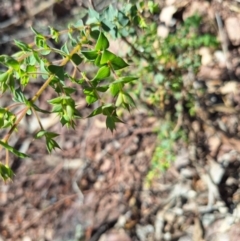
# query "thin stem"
(37, 117)
(7, 158)
(13, 105)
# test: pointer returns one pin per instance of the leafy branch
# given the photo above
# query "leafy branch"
(86, 43)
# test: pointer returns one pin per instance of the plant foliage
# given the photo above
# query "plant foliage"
(160, 64)
(85, 43)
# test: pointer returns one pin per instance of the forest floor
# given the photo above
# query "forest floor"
(95, 186)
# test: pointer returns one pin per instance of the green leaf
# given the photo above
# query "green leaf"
(69, 90)
(35, 31)
(108, 109)
(2, 114)
(57, 109)
(43, 70)
(96, 112)
(6, 172)
(73, 40)
(107, 26)
(51, 145)
(102, 73)
(115, 88)
(4, 76)
(110, 123)
(47, 134)
(40, 110)
(95, 34)
(19, 96)
(7, 83)
(110, 13)
(92, 13)
(116, 62)
(120, 99)
(90, 55)
(76, 59)
(107, 56)
(57, 100)
(7, 118)
(31, 70)
(153, 7)
(9, 61)
(128, 99)
(23, 46)
(122, 19)
(98, 59)
(93, 17)
(14, 151)
(57, 70)
(54, 33)
(40, 134)
(79, 23)
(102, 42)
(40, 41)
(24, 79)
(64, 48)
(91, 96)
(125, 79)
(102, 88)
(36, 56)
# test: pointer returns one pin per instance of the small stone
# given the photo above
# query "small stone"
(166, 15)
(213, 142)
(162, 31)
(207, 219)
(170, 217)
(223, 210)
(206, 55)
(192, 194)
(220, 57)
(26, 238)
(231, 181)
(188, 172)
(232, 25)
(167, 236)
(216, 171)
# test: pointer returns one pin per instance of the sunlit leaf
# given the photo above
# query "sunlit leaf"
(125, 79)
(102, 42)
(107, 56)
(118, 63)
(90, 55)
(110, 58)
(4, 76)
(14, 151)
(102, 73)
(23, 46)
(115, 88)
(6, 172)
(57, 100)
(91, 96)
